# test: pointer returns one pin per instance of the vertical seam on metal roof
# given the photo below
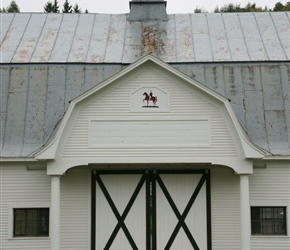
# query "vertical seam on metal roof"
(229, 48)
(48, 59)
(245, 125)
(21, 38)
(45, 105)
(264, 113)
(285, 107)
(37, 40)
(175, 37)
(6, 113)
(1, 23)
(278, 35)
(26, 105)
(192, 40)
(89, 45)
(126, 23)
(261, 36)
(210, 42)
(40, 33)
(249, 55)
(105, 52)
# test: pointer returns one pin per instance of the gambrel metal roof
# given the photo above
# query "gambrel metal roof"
(106, 38)
(49, 59)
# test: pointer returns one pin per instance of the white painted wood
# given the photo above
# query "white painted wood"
(225, 203)
(245, 212)
(75, 209)
(181, 188)
(120, 188)
(154, 134)
(54, 223)
(21, 188)
(270, 186)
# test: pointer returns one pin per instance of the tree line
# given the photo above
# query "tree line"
(249, 7)
(53, 7)
(49, 7)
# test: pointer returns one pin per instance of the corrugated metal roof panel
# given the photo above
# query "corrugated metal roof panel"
(282, 27)
(235, 38)
(184, 39)
(29, 40)
(116, 38)
(98, 44)
(65, 38)
(13, 36)
(218, 38)
(6, 21)
(106, 38)
(82, 38)
(47, 38)
(201, 38)
(270, 37)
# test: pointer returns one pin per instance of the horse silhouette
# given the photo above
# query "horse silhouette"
(150, 97)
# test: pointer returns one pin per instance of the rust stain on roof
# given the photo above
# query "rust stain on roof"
(149, 41)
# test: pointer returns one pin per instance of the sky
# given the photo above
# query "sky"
(122, 6)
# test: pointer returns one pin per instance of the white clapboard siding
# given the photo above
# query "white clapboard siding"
(271, 187)
(75, 210)
(225, 193)
(21, 187)
(185, 106)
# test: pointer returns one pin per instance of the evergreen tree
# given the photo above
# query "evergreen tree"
(2, 10)
(50, 7)
(67, 8)
(12, 7)
(55, 7)
(76, 9)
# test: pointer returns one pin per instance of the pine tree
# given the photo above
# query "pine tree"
(50, 7)
(12, 7)
(67, 8)
(55, 7)
(77, 9)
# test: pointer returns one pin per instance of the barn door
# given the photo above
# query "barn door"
(182, 210)
(151, 210)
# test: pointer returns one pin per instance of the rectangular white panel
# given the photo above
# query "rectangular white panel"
(188, 133)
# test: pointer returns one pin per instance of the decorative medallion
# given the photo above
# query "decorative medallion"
(149, 99)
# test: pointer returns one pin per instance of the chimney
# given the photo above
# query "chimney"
(147, 10)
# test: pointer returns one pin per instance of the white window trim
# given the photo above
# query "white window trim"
(12, 206)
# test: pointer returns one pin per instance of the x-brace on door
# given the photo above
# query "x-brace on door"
(150, 210)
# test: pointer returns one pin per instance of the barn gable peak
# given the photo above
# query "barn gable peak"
(134, 117)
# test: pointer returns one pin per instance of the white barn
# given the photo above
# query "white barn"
(145, 130)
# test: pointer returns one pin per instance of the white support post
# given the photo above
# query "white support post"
(55, 213)
(245, 212)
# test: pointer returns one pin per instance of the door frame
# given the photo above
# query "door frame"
(150, 178)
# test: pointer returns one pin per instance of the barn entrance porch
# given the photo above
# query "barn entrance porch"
(151, 209)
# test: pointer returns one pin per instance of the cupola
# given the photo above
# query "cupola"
(147, 10)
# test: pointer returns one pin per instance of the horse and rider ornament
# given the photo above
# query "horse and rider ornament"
(149, 99)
